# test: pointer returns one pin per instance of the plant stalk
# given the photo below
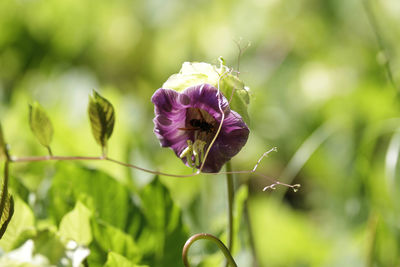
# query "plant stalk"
(231, 192)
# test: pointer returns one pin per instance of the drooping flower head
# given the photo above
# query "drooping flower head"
(187, 122)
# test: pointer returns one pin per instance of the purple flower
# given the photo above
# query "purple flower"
(187, 122)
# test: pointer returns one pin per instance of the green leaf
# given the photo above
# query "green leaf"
(2, 144)
(48, 244)
(194, 73)
(75, 225)
(97, 190)
(7, 214)
(108, 238)
(235, 91)
(102, 118)
(116, 260)
(166, 229)
(22, 221)
(40, 124)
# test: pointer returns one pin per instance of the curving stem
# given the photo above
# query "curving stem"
(212, 238)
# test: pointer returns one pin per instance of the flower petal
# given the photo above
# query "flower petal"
(232, 137)
(171, 111)
(170, 115)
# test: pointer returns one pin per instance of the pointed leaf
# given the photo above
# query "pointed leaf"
(108, 238)
(22, 221)
(40, 124)
(96, 189)
(102, 118)
(166, 228)
(6, 203)
(7, 214)
(75, 225)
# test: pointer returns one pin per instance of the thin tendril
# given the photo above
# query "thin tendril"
(82, 158)
(220, 125)
(241, 51)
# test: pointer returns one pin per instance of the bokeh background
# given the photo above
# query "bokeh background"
(319, 93)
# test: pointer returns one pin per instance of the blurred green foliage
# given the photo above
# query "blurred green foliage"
(319, 92)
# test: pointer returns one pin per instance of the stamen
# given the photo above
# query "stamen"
(198, 151)
(188, 153)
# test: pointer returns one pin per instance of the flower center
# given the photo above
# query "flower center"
(201, 124)
(201, 128)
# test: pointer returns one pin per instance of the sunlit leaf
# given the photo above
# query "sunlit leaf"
(48, 243)
(75, 225)
(7, 214)
(40, 124)
(97, 190)
(102, 118)
(108, 238)
(22, 221)
(116, 260)
(164, 219)
(236, 92)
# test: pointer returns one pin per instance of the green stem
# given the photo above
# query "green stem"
(231, 192)
(250, 232)
(212, 238)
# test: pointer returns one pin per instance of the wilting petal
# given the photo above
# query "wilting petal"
(195, 113)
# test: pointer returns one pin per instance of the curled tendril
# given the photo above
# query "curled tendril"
(212, 238)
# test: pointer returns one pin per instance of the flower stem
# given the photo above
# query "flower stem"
(250, 233)
(212, 238)
(231, 192)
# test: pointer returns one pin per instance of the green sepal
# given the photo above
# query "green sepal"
(102, 118)
(40, 124)
(194, 73)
